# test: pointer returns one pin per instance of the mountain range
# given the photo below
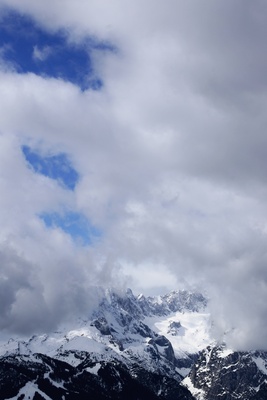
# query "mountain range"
(132, 347)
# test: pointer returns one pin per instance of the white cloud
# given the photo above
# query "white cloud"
(171, 154)
(41, 53)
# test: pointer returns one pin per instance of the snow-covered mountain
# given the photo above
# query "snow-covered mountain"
(146, 343)
(132, 347)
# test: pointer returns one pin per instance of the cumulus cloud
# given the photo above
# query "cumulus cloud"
(171, 155)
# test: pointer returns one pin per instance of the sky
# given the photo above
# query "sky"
(133, 153)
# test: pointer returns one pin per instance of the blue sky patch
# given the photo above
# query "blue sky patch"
(56, 167)
(29, 48)
(73, 223)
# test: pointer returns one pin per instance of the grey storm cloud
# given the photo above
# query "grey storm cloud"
(171, 155)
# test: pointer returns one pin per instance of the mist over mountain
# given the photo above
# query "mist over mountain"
(132, 347)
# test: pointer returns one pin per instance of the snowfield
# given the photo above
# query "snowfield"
(193, 335)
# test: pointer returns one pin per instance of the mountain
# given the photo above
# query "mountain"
(127, 348)
(136, 348)
(224, 374)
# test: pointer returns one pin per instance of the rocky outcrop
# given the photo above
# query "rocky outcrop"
(227, 375)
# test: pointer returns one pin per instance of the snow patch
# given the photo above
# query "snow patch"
(261, 364)
(225, 353)
(94, 370)
(29, 391)
(195, 331)
(183, 371)
(199, 394)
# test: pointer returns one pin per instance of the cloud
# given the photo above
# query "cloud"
(170, 152)
(41, 54)
(35, 297)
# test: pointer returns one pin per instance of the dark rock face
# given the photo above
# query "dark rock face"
(166, 348)
(262, 393)
(102, 325)
(175, 327)
(237, 375)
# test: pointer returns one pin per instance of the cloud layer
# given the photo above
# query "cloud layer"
(171, 155)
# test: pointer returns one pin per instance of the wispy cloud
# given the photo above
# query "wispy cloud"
(41, 53)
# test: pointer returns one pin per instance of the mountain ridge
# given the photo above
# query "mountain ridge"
(132, 347)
